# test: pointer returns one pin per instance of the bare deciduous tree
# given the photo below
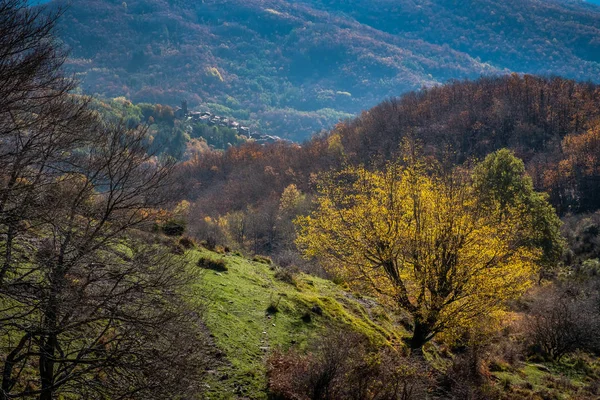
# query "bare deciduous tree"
(86, 308)
(40, 123)
(564, 318)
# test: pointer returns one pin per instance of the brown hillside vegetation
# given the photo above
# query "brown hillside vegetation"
(553, 124)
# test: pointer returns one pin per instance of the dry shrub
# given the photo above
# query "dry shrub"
(505, 349)
(469, 378)
(210, 243)
(262, 259)
(287, 275)
(173, 228)
(563, 318)
(482, 352)
(343, 365)
(214, 265)
(288, 258)
(187, 242)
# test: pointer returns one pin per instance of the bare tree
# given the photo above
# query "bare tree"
(93, 303)
(40, 122)
(86, 307)
(563, 318)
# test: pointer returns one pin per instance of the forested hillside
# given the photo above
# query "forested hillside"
(552, 124)
(441, 245)
(423, 190)
(422, 205)
(292, 68)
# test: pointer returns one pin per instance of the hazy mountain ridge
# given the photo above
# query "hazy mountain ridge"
(294, 67)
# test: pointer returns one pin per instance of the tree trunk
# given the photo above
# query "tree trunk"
(48, 347)
(421, 334)
(9, 364)
(47, 367)
(6, 379)
(10, 236)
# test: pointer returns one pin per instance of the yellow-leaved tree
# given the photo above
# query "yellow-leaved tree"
(420, 241)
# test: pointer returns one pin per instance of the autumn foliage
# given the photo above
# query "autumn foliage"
(422, 241)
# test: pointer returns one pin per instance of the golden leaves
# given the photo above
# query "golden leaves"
(417, 241)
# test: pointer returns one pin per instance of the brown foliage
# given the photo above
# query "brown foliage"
(343, 365)
(563, 318)
(549, 123)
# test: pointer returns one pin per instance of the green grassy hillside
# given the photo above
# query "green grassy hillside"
(253, 308)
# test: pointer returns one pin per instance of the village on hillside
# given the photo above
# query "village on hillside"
(211, 119)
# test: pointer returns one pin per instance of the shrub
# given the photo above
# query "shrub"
(210, 243)
(286, 275)
(562, 319)
(468, 376)
(214, 265)
(273, 307)
(498, 366)
(343, 365)
(187, 242)
(262, 259)
(288, 258)
(173, 228)
(208, 231)
(582, 232)
(177, 249)
(593, 388)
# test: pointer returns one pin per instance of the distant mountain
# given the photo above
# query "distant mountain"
(293, 67)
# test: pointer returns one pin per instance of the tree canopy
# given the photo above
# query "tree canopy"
(421, 241)
(503, 187)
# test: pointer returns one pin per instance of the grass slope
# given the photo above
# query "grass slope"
(575, 377)
(240, 306)
(236, 304)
